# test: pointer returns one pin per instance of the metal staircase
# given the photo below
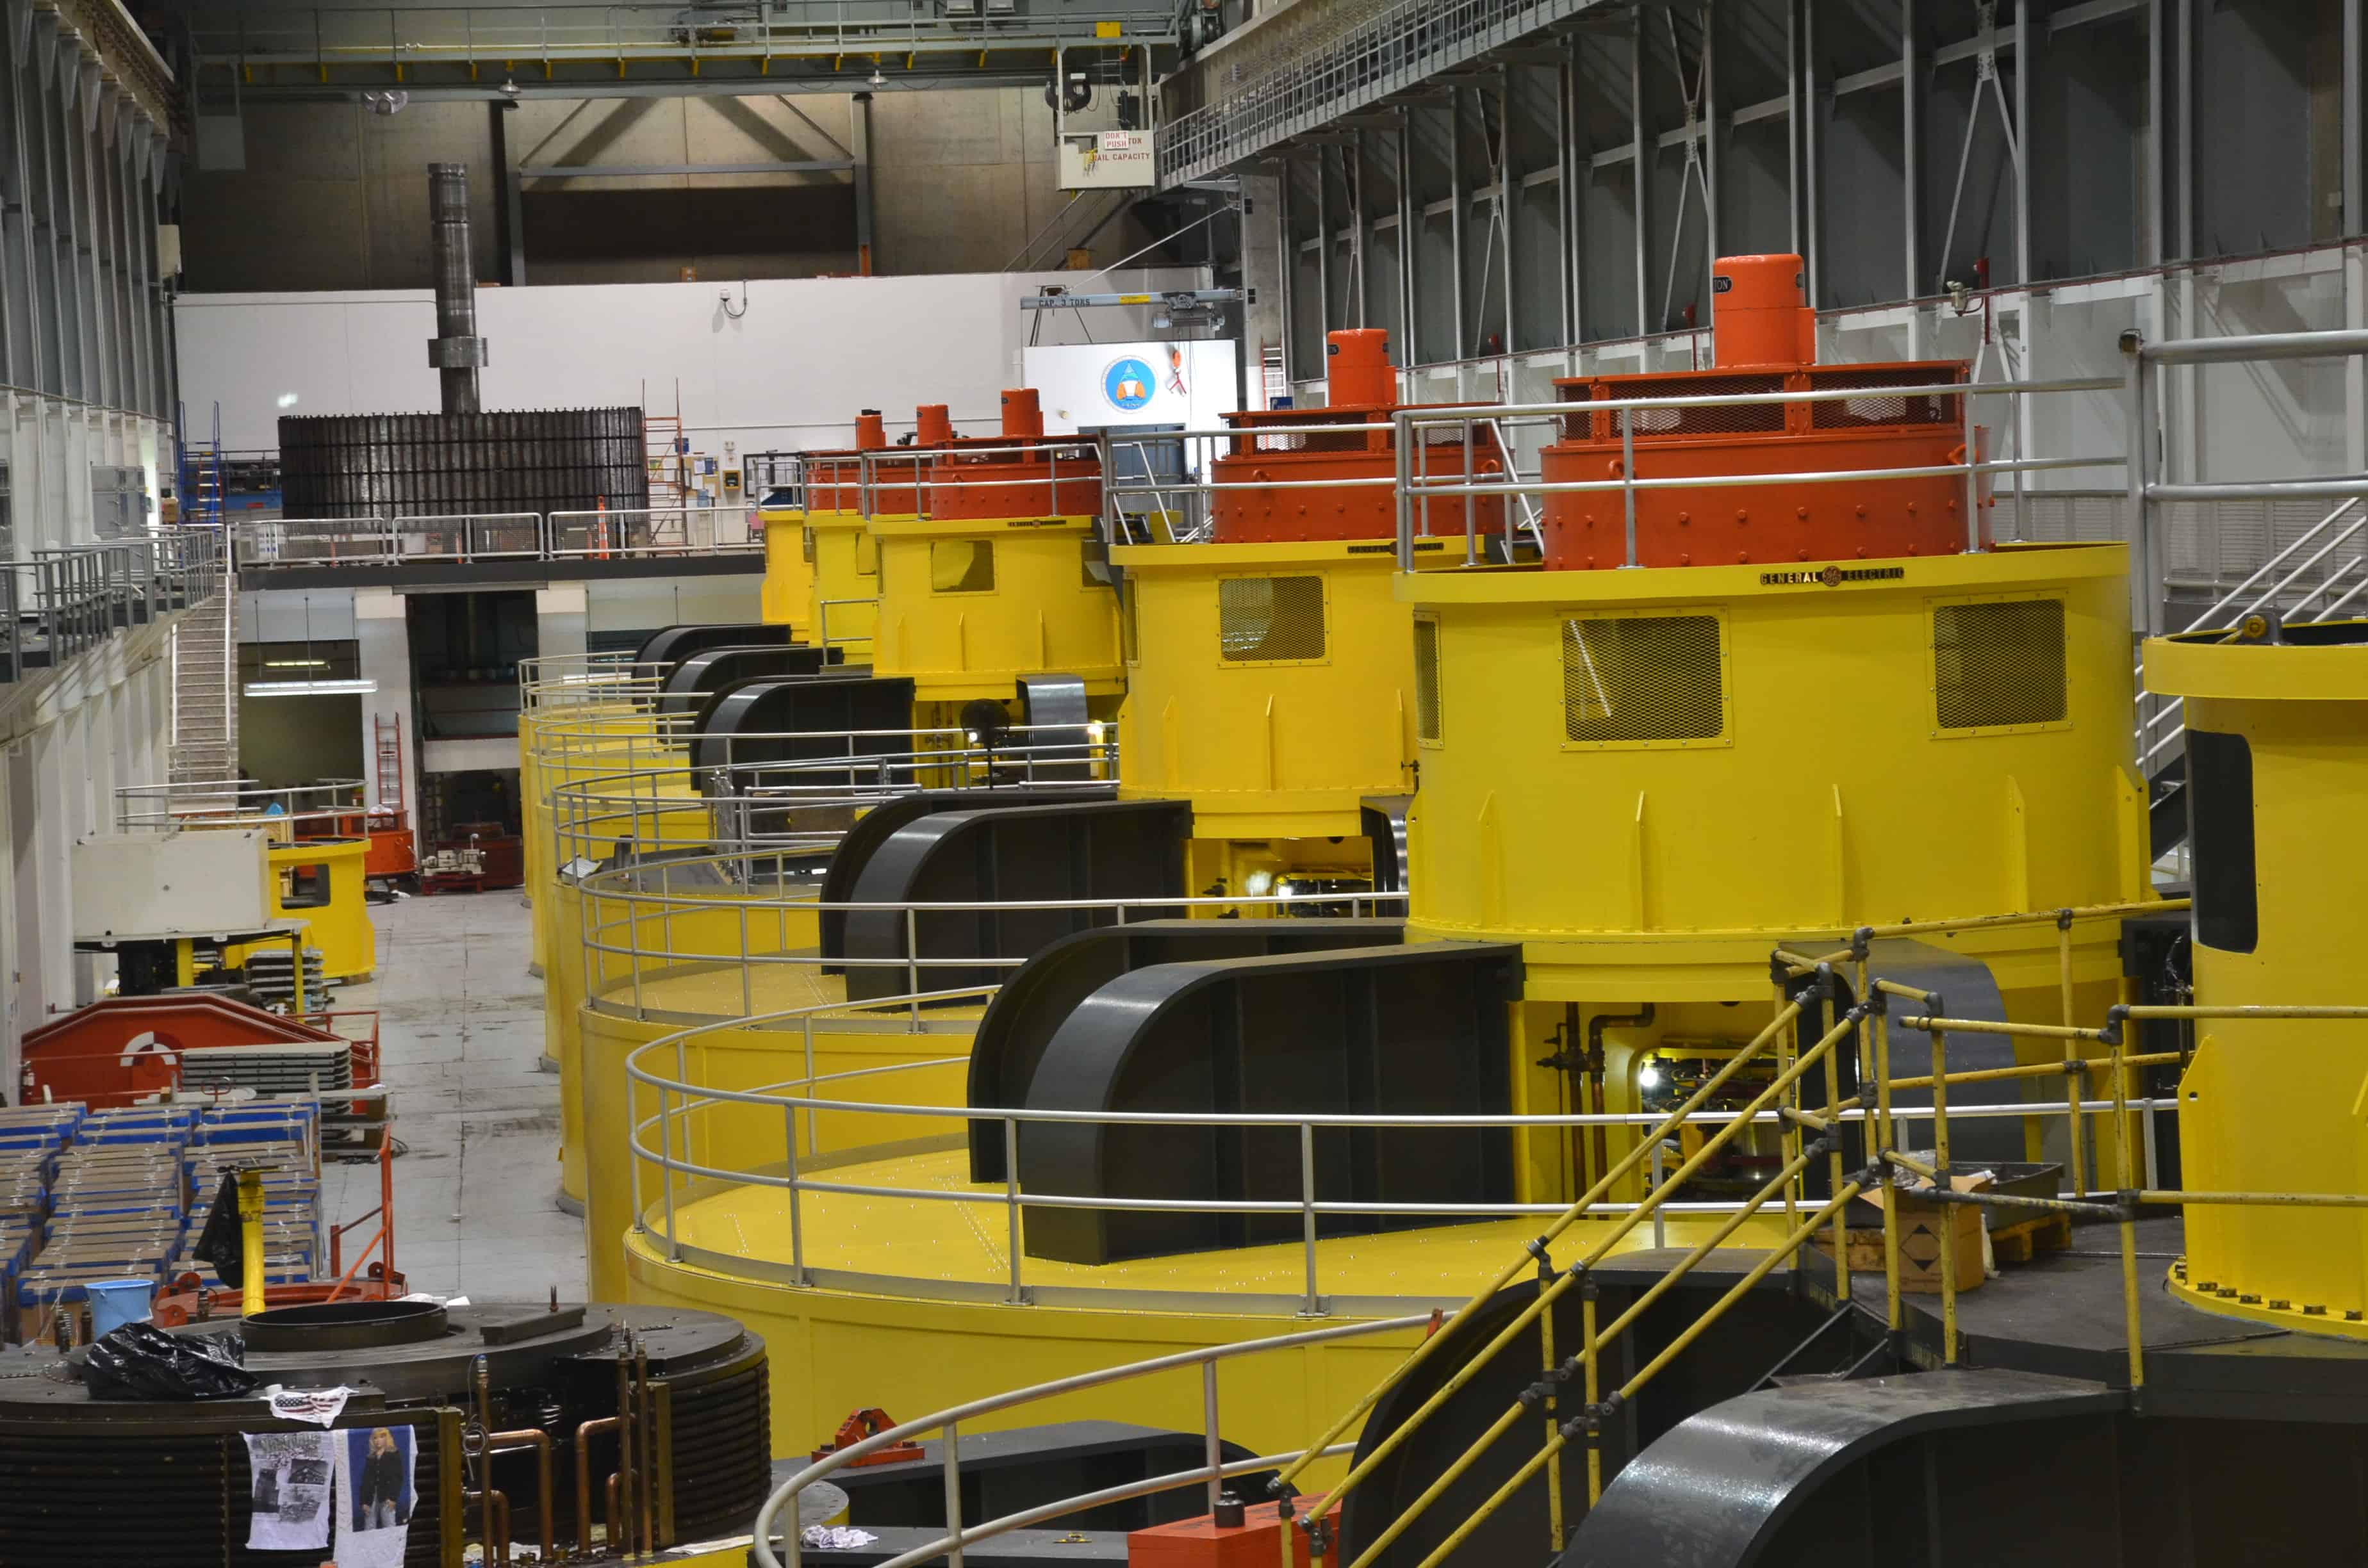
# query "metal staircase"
(205, 690)
(201, 472)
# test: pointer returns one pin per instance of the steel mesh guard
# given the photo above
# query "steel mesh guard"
(1426, 680)
(1269, 619)
(1999, 663)
(1628, 678)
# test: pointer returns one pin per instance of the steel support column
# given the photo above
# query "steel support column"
(1640, 169)
(1571, 197)
(1911, 164)
(1409, 242)
(1458, 201)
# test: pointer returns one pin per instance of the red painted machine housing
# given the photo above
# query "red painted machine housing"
(1250, 505)
(977, 478)
(1764, 342)
(1277, 483)
(121, 1049)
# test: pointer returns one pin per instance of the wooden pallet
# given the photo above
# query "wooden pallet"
(2026, 1239)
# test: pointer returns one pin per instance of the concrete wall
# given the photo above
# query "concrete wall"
(788, 370)
(334, 195)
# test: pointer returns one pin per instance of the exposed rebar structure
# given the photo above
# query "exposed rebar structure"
(456, 350)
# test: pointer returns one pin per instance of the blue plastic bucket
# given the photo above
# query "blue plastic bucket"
(114, 1302)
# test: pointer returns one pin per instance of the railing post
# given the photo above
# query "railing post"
(912, 964)
(1211, 1446)
(1313, 1306)
(1661, 1209)
(813, 1146)
(1973, 476)
(633, 1124)
(1019, 1296)
(1628, 479)
(953, 1442)
(797, 1217)
(666, 1144)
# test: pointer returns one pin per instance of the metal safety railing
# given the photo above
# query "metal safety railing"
(1812, 1137)
(888, 477)
(667, 1175)
(65, 601)
(269, 544)
(2329, 578)
(1162, 487)
(321, 39)
(1418, 490)
(1213, 1471)
(281, 811)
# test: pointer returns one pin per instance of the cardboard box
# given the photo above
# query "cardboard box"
(1922, 1225)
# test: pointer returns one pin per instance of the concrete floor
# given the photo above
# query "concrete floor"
(459, 1039)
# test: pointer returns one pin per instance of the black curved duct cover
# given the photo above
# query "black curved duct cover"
(1419, 1029)
(869, 832)
(669, 645)
(698, 677)
(1073, 850)
(1040, 994)
(807, 718)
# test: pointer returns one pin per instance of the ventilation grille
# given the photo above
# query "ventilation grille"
(1426, 680)
(1882, 407)
(1269, 619)
(1751, 418)
(1642, 678)
(1999, 663)
(961, 566)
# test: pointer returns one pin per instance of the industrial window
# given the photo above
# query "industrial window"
(867, 553)
(306, 887)
(2220, 824)
(805, 545)
(1642, 678)
(1269, 620)
(1425, 678)
(1998, 664)
(962, 566)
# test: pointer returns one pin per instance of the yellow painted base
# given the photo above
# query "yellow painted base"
(2229, 1301)
(341, 926)
(912, 1317)
(736, 1137)
(787, 598)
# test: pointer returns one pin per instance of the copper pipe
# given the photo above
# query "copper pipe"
(584, 1435)
(538, 1439)
(645, 1431)
(615, 1515)
(497, 1509)
(624, 1478)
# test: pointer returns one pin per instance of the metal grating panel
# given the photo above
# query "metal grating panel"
(1648, 677)
(1426, 679)
(1269, 619)
(962, 566)
(1879, 408)
(1998, 664)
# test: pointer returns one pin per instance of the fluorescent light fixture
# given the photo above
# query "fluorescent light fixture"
(286, 400)
(306, 687)
(295, 663)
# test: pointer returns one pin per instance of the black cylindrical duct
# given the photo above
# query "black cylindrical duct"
(456, 350)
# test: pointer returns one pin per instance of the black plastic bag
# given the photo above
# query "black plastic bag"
(142, 1361)
(222, 1243)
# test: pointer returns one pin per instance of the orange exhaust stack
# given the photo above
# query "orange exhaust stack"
(870, 434)
(1021, 417)
(1758, 313)
(936, 427)
(1357, 368)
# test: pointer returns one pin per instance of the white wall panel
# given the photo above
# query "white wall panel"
(788, 370)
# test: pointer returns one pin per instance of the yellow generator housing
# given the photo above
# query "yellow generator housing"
(2277, 747)
(1650, 777)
